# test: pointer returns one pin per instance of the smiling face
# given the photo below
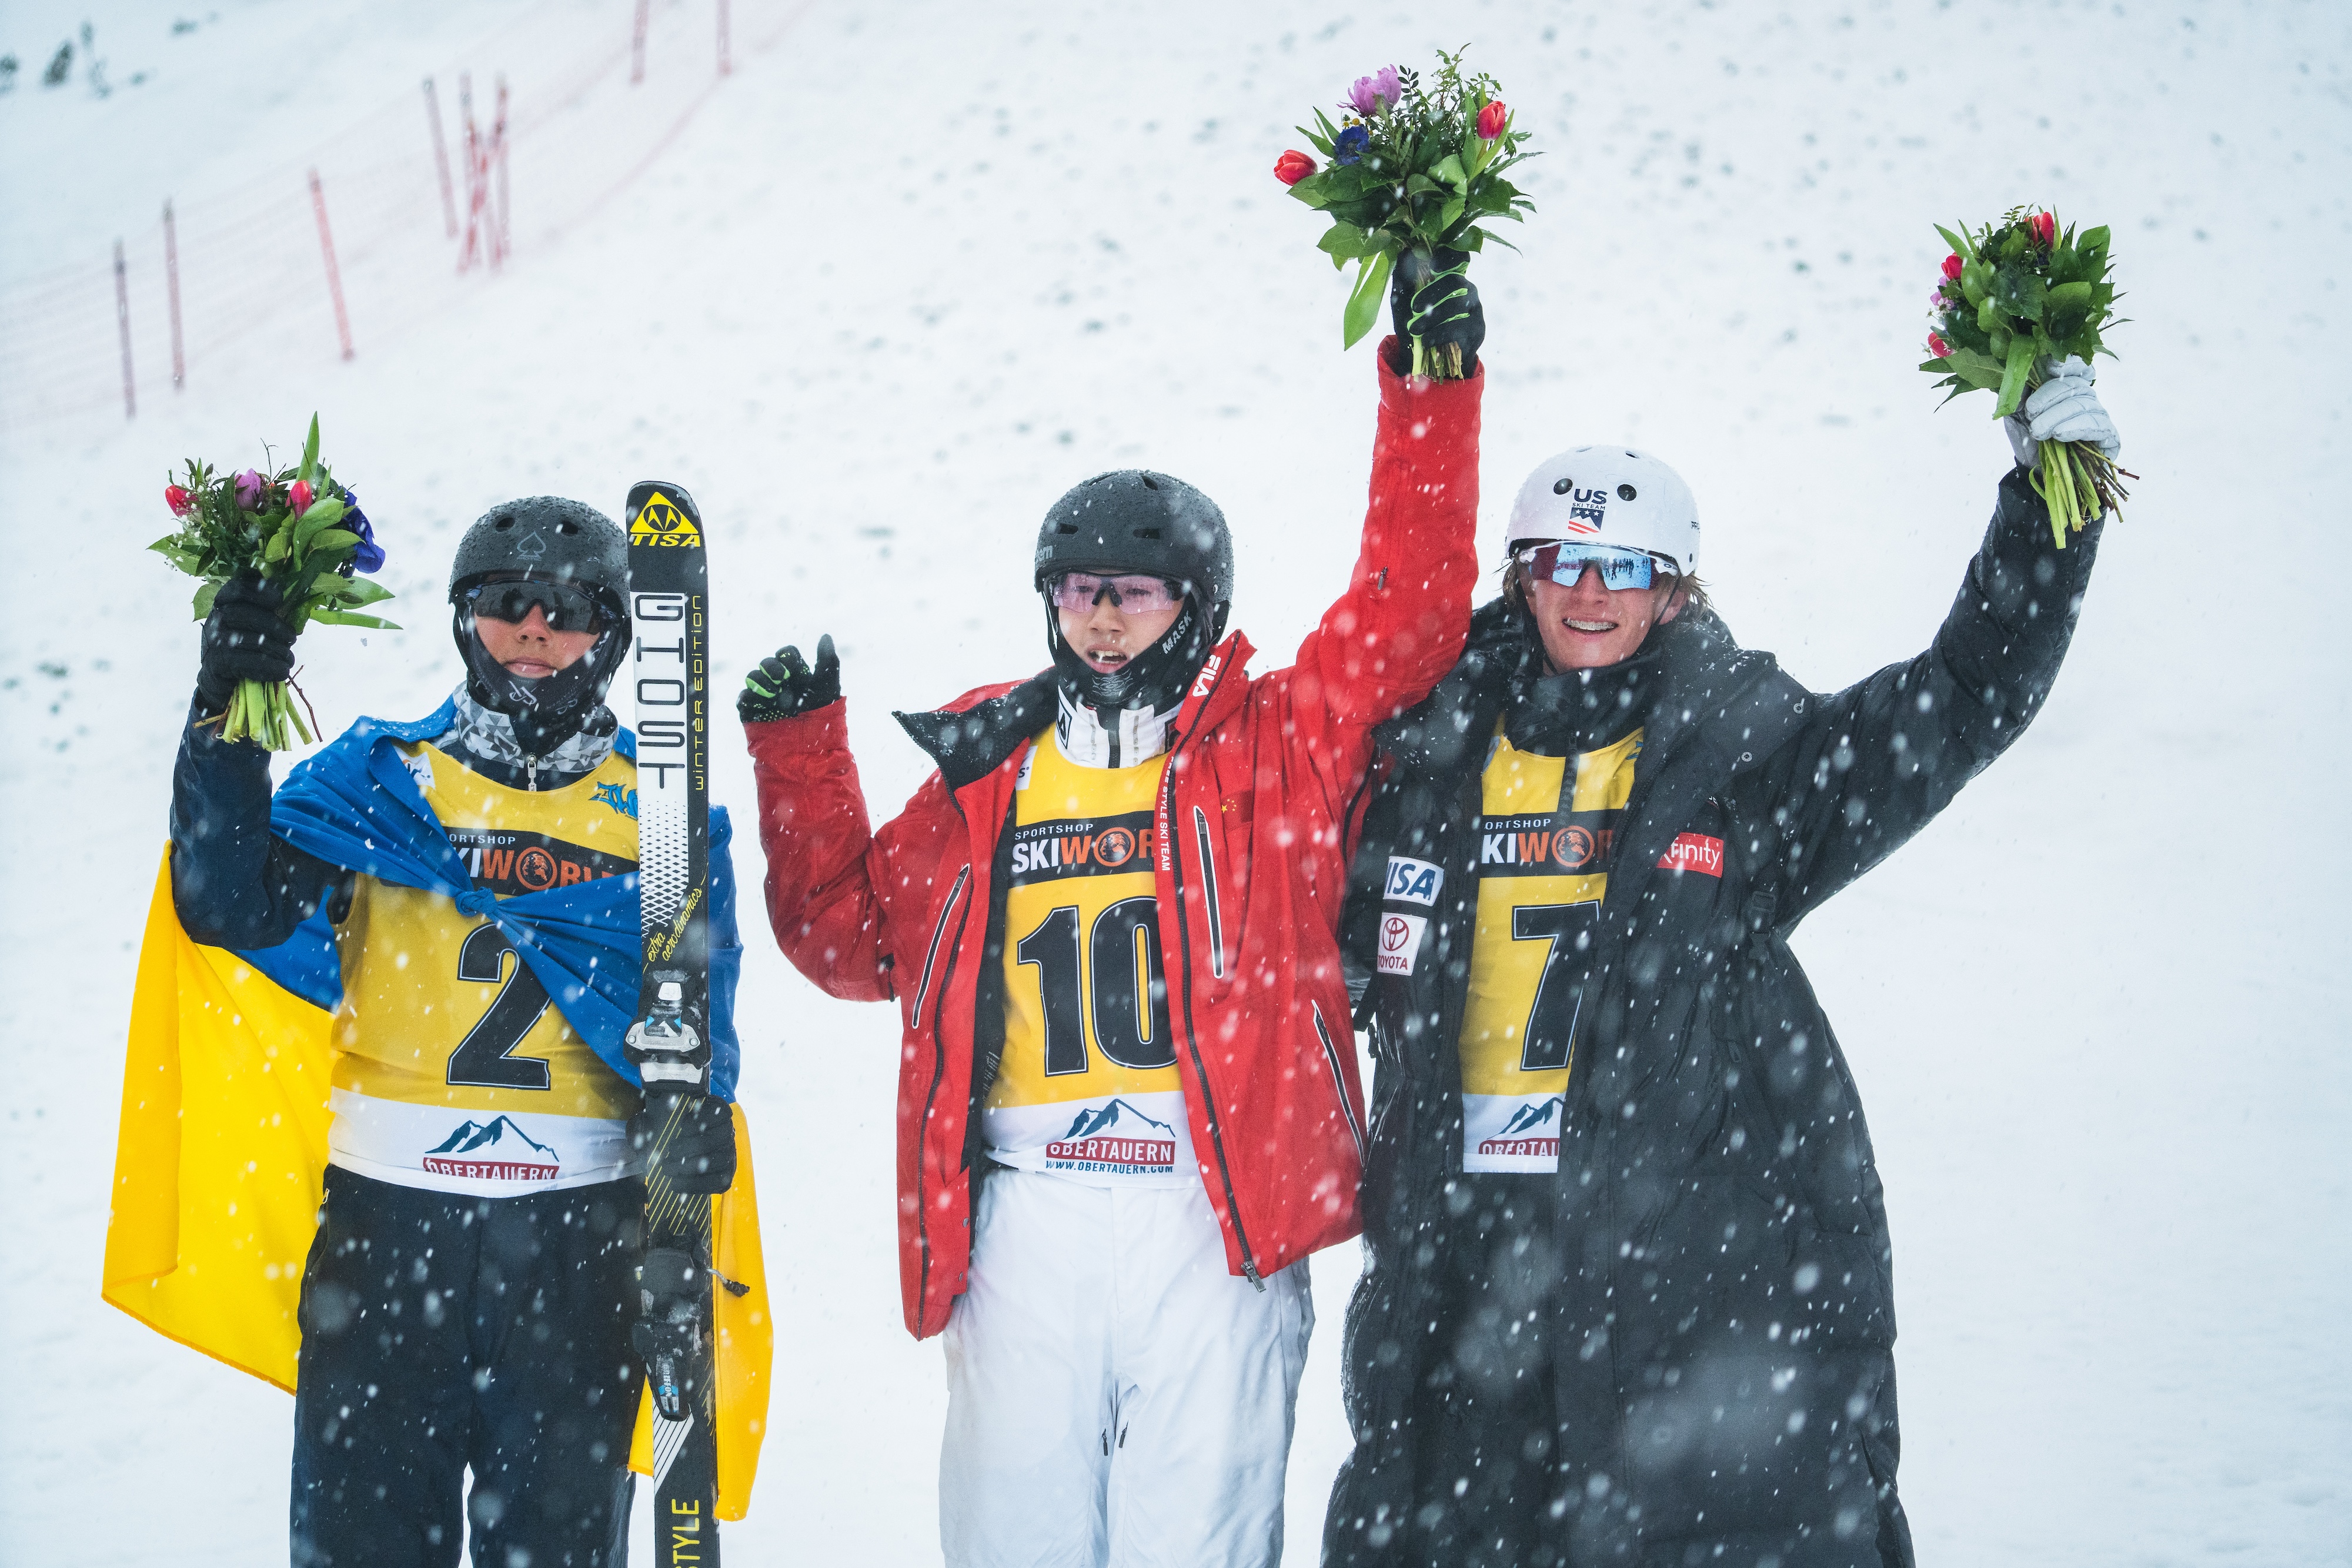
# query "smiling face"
(1106, 636)
(529, 647)
(1590, 627)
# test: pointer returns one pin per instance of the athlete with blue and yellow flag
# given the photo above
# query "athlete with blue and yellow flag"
(380, 1024)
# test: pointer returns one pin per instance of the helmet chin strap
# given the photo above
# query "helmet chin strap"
(1154, 679)
(551, 709)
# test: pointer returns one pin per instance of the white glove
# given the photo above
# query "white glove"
(2064, 408)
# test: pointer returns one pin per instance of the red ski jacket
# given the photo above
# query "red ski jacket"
(1253, 819)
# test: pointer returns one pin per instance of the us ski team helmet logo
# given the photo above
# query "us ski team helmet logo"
(1611, 494)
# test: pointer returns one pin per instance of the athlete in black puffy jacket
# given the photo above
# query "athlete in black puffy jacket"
(1628, 1297)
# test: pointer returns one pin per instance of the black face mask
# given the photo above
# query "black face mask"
(552, 709)
(1155, 679)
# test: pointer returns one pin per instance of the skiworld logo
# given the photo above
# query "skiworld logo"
(1533, 1129)
(512, 1154)
(1117, 1137)
(1045, 850)
(1545, 845)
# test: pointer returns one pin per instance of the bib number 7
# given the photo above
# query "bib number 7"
(481, 1059)
(1550, 1038)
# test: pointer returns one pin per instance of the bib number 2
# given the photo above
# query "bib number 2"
(481, 1059)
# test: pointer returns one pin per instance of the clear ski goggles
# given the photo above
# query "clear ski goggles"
(1563, 561)
(567, 608)
(1137, 595)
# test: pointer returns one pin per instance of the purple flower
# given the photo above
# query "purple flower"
(369, 557)
(249, 487)
(1376, 93)
(1349, 147)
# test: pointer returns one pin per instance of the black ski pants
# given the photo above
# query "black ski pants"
(443, 1333)
(1485, 1492)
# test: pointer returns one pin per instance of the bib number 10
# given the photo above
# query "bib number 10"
(1117, 971)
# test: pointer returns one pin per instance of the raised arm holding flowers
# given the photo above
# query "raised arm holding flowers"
(2018, 313)
(1413, 173)
(276, 552)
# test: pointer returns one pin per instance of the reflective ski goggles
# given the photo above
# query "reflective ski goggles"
(1563, 561)
(1135, 595)
(567, 608)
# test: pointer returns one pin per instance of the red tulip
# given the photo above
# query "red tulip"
(1293, 167)
(1951, 266)
(299, 497)
(1942, 348)
(2045, 227)
(179, 500)
(1492, 119)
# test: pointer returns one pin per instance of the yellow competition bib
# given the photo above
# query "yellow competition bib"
(1087, 1087)
(454, 1070)
(1542, 854)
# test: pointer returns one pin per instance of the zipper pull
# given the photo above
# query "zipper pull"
(1249, 1272)
(530, 774)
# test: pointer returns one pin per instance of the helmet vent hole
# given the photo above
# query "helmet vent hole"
(1066, 527)
(567, 527)
(1151, 483)
(1625, 492)
(503, 523)
(1562, 487)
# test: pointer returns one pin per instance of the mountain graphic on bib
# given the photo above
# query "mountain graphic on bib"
(497, 1149)
(1094, 1123)
(1531, 1115)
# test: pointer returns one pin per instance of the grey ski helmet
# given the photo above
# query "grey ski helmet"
(1134, 521)
(551, 538)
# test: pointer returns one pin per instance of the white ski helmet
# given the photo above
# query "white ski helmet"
(1609, 496)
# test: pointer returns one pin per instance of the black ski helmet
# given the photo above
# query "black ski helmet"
(550, 539)
(1134, 521)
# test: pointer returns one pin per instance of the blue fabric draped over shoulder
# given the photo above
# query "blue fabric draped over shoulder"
(356, 805)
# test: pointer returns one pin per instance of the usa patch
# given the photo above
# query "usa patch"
(1413, 882)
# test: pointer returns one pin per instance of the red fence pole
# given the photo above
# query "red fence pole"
(334, 277)
(726, 63)
(441, 158)
(637, 43)
(172, 287)
(474, 191)
(499, 155)
(122, 320)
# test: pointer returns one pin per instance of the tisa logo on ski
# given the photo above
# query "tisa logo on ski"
(1533, 1129)
(624, 801)
(512, 1154)
(661, 521)
(1118, 1138)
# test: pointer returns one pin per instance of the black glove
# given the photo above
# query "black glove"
(690, 1135)
(1440, 304)
(244, 638)
(784, 686)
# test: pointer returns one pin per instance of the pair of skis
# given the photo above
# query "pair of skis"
(667, 676)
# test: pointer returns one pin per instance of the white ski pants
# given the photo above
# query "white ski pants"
(1115, 1398)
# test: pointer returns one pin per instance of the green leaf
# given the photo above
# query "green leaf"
(1958, 242)
(348, 618)
(1365, 300)
(310, 451)
(2019, 292)
(2012, 380)
(1449, 169)
(203, 602)
(1315, 190)
(2092, 239)
(1343, 243)
(324, 512)
(1321, 143)
(333, 541)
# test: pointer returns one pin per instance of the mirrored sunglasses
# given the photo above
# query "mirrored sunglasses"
(567, 608)
(1563, 562)
(1135, 595)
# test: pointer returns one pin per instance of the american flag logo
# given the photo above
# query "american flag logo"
(1577, 524)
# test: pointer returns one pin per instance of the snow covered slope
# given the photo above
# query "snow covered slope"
(914, 268)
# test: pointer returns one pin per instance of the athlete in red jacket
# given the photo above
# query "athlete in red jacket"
(1109, 921)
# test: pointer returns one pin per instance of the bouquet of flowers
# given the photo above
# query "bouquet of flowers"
(2016, 296)
(300, 532)
(1412, 170)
